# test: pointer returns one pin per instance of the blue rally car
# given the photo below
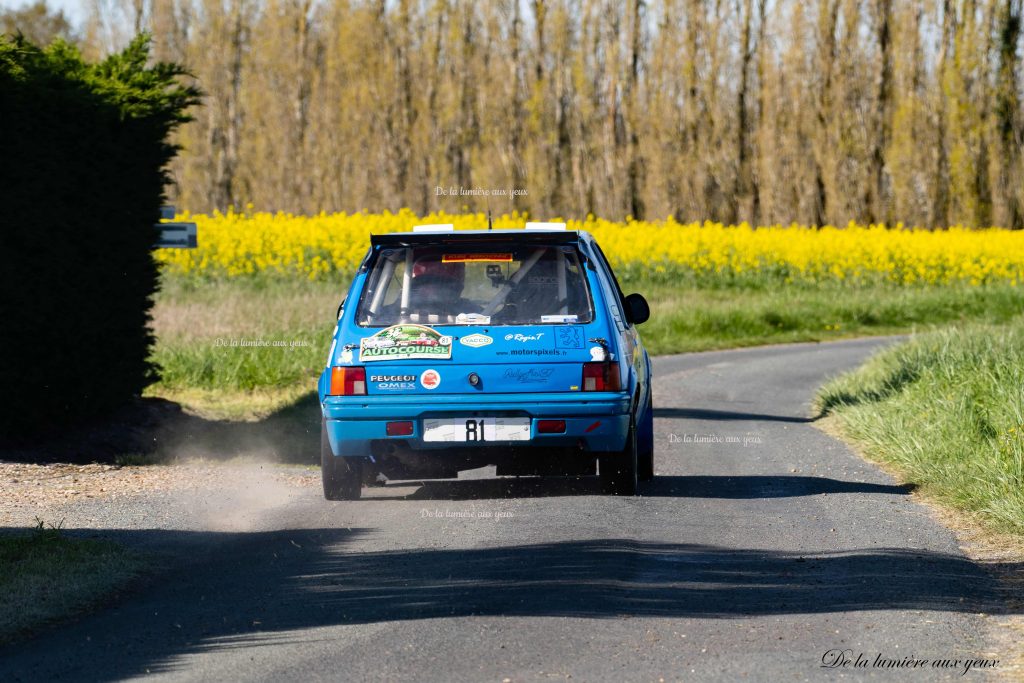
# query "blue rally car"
(460, 349)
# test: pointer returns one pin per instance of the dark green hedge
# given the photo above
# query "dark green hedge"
(83, 148)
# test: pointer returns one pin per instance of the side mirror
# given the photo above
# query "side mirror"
(637, 310)
(341, 308)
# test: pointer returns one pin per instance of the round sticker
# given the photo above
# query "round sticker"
(430, 379)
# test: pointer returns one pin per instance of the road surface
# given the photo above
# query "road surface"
(761, 545)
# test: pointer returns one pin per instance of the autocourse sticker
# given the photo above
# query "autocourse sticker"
(405, 342)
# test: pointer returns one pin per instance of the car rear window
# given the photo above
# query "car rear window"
(459, 284)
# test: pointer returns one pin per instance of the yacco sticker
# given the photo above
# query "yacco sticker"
(404, 342)
(523, 337)
(476, 258)
(568, 338)
(475, 340)
(430, 379)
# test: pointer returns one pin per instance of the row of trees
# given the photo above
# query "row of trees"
(760, 110)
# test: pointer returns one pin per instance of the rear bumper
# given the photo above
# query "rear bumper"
(597, 423)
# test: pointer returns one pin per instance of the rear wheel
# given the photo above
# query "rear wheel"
(645, 443)
(618, 471)
(342, 477)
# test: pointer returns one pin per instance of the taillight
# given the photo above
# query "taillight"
(348, 382)
(601, 376)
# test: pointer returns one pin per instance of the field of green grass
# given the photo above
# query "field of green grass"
(946, 411)
(206, 329)
(205, 332)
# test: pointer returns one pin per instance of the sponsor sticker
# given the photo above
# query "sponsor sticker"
(529, 375)
(596, 353)
(476, 258)
(533, 352)
(568, 338)
(559, 318)
(394, 382)
(430, 379)
(523, 337)
(472, 319)
(475, 340)
(405, 342)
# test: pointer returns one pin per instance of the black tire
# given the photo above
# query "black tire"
(342, 477)
(645, 454)
(618, 471)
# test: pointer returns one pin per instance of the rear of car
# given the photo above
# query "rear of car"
(456, 350)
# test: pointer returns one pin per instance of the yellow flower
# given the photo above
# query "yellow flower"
(316, 247)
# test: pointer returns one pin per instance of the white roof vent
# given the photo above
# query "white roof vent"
(435, 227)
(545, 226)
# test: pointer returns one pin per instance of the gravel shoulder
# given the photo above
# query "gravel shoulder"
(203, 495)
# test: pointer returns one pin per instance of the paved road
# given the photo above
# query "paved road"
(762, 544)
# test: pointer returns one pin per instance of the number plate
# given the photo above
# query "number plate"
(477, 429)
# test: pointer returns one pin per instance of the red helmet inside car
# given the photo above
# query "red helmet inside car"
(430, 268)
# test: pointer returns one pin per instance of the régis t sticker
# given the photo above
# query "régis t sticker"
(523, 337)
(405, 342)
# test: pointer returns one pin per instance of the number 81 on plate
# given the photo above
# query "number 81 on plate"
(476, 429)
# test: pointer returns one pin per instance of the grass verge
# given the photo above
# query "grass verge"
(721, 318)
(945, 410)
(46, 576)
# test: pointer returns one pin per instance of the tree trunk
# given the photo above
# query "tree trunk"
(879, 207)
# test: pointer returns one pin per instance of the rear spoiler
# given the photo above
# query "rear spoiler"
(534, 236)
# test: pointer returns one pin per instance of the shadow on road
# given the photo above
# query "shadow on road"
(733, 487)
(706, 414)
(263, 589)
(485, 489)
(763, 486)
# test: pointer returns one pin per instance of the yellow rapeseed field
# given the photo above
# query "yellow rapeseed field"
(326, 245)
